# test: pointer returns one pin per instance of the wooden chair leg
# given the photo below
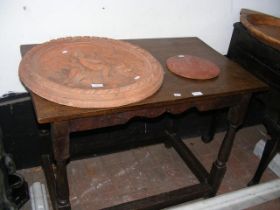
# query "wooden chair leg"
(271, 148)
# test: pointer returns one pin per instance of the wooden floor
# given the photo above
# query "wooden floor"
(120, 177)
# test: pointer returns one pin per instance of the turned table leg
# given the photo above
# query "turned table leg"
(60, 141)
(235, 118)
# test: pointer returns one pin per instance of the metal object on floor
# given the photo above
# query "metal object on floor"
(240, 199)
(38, 196)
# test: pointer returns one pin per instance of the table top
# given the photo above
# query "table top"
(233, 80)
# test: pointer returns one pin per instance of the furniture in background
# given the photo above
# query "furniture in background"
(263, 61)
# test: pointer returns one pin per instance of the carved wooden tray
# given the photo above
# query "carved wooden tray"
(90, 72)
(192, 67)
(264, 27)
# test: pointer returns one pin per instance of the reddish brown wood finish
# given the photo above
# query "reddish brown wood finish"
(233, 80)
(264, 27)
(192, 67)
(232, 89)
(90, 72)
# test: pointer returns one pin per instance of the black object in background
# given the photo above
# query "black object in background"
(13, 188)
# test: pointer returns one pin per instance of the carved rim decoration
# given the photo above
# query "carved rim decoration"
(90, 72)
(264, 27)
(192, 67)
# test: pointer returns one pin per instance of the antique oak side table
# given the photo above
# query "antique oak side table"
(232, 88)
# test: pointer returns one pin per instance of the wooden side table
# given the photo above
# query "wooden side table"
(233, 88)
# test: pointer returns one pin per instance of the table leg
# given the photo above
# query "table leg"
(272, 147)
(235, 118)
(270, 150)
(208, 135)
(60, 140)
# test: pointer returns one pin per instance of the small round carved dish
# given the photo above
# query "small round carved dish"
(90, 72)
(192, 67)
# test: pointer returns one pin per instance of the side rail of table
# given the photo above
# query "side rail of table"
(209, 181)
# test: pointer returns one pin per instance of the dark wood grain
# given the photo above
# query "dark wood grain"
(110, 119)
(232, 80)
(232, 88)
(166, 199)
(185, 153)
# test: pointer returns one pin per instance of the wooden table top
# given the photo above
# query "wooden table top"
(233, 80)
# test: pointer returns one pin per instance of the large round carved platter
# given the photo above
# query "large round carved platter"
(90, 72)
